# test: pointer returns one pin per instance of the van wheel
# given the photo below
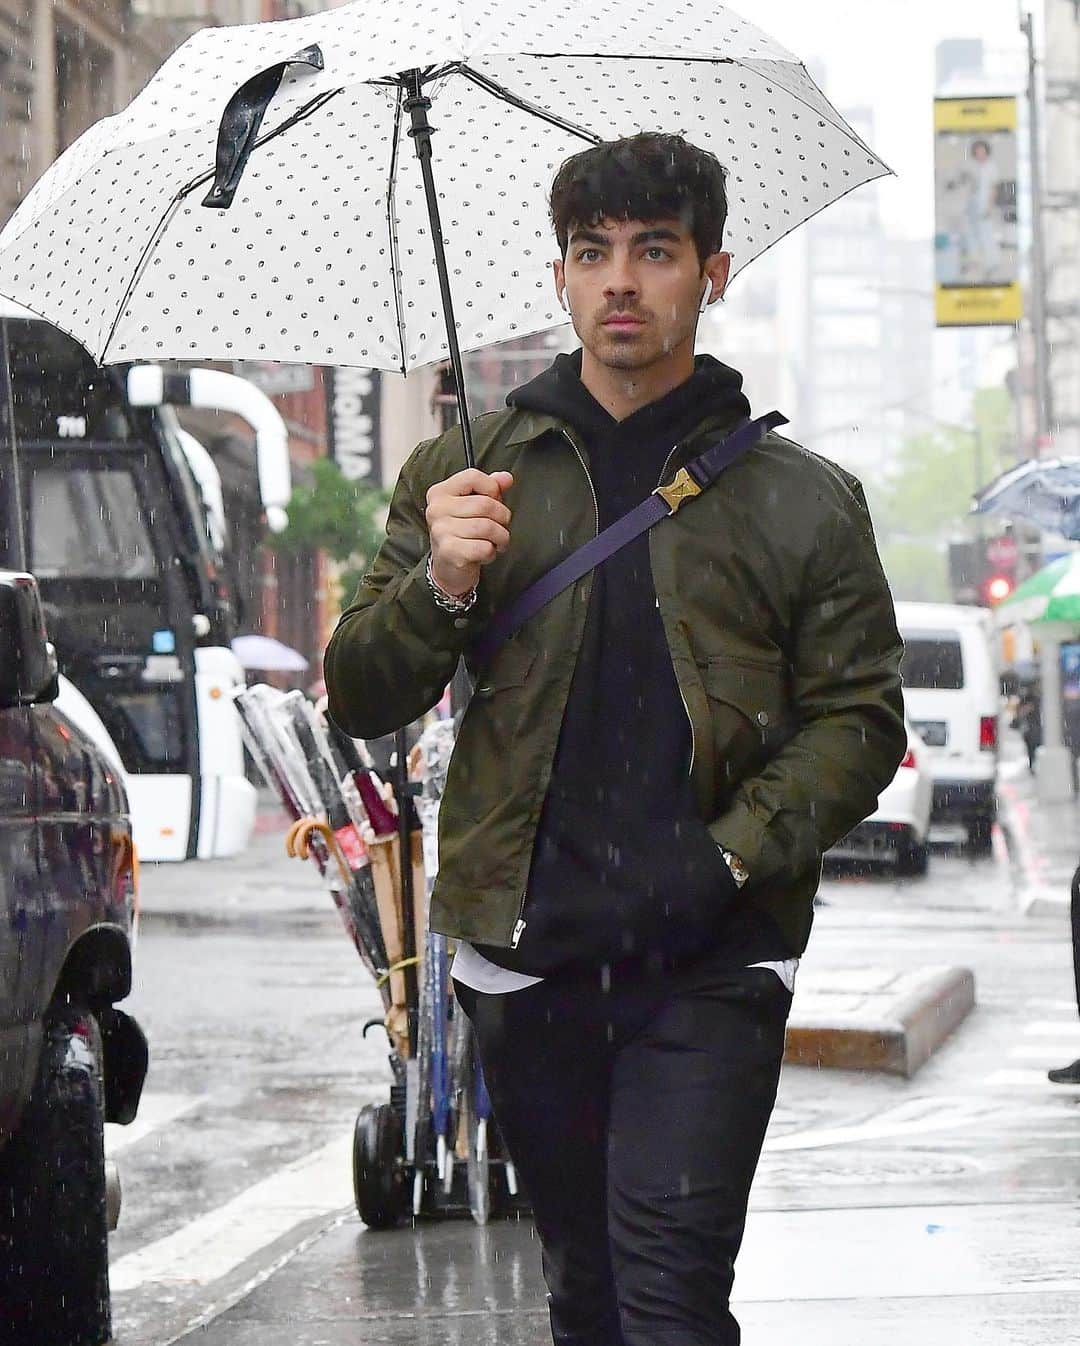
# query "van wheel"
(54, 1248)
(981, 835)
(913, 859)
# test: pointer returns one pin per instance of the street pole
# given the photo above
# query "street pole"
(1038, 248)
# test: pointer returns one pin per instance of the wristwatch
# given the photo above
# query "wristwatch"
(448, 602)
(739, 872)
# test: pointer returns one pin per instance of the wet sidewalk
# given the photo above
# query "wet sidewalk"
(821, 1277)
(1043, 839)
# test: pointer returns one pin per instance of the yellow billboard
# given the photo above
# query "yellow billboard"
(976, 239)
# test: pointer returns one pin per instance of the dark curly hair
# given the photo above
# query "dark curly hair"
(650, 176)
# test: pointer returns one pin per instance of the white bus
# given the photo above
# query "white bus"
(123, 526)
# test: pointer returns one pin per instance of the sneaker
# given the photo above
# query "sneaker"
(1066, 1075)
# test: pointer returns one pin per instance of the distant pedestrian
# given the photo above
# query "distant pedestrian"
(650, 770)
(1028, 718)
(1070, 732)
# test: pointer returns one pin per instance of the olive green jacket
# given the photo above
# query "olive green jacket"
(781, 631)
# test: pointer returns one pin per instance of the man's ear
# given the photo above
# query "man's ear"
(718, 268)
(560, 278)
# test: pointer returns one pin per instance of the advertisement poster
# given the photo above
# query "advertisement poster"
(976, 243)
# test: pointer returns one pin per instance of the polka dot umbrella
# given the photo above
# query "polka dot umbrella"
(259, 200)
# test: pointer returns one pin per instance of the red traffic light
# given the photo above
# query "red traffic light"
(996, 588)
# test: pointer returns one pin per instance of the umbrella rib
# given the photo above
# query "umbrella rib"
(286, 125)
(139, 268)
(489, 86)
(186, 190)
(395, 272)
(632, 56)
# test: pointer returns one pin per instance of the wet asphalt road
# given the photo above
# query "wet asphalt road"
(939, 1210)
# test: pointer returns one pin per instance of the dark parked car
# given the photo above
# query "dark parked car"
(69, 1060)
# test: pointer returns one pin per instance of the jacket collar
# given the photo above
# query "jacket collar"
(531, 427)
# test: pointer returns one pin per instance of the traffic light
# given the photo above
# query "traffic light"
(996, 588)
(1000, 558)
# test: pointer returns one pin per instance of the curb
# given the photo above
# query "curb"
(1040, 889)
(897, 1033)
(1045, 902)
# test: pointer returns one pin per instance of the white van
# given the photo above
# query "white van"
(952, 697)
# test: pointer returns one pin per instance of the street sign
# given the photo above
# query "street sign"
(1003, 552)
(276, 380)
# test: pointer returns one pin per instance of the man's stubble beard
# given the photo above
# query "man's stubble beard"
(629, 356)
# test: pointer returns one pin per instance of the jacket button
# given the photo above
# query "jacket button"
(763, 717)
(461, 623)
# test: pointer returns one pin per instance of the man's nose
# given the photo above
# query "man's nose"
(621, 282)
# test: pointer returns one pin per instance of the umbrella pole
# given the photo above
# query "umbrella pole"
(403, 789)
(416, 105)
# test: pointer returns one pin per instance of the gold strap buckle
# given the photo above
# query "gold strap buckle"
(679, 490)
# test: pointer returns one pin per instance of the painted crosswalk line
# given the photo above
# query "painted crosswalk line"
(156, 1111)
(216, 1243)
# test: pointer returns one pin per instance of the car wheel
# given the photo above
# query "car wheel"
(54, 1247)
(913, 859)
(980, 835)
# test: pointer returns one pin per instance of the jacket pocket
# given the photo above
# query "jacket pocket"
(512, 666)
(501, 697)
(748, 705)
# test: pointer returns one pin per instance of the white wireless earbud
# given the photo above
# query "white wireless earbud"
(705, 297)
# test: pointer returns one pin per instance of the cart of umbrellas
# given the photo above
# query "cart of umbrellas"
(433, 1146)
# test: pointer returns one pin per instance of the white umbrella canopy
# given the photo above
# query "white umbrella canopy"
(265, 654)
(325, 254)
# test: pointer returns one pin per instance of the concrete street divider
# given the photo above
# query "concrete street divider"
(876, 1019)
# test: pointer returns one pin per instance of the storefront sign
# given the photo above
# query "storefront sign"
(354, 423)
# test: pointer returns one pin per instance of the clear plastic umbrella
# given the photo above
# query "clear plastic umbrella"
(1044, 491)
(258, 199)
(267, 655)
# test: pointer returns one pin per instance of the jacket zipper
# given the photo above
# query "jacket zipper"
(520, 923)
(686, 708)
(588, 477)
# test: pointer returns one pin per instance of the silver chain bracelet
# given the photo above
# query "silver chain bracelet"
(448, 602)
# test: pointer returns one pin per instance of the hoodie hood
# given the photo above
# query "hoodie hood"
(713, 389)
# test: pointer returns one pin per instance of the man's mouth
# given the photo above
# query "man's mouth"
(623, 321)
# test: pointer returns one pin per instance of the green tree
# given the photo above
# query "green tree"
(344, 518)
(924, 500)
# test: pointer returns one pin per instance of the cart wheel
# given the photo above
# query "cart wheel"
(378, 1166)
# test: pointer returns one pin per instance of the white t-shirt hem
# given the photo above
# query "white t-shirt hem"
(472, 969)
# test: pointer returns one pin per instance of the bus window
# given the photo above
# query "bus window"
(148, 730)
(87, 523)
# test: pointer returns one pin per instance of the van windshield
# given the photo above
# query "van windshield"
(932, 661)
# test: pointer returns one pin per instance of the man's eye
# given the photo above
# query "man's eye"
(662, 251)
(585, 252)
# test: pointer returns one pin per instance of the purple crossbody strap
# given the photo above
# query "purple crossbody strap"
(688, 483)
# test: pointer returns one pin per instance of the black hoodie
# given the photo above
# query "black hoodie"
(623, 868)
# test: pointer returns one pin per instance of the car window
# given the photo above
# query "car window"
(934, 661)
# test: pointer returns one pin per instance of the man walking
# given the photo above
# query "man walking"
(650, 769)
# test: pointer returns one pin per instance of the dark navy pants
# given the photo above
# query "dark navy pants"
(634, 1109)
